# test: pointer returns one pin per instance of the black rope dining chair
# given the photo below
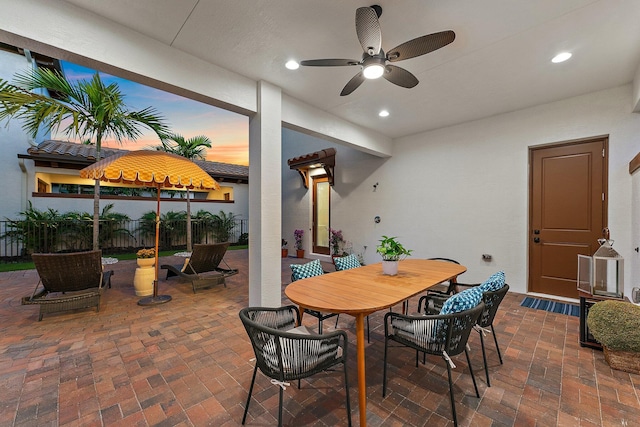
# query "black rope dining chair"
(285, 354)
(303, 271)
(443, 335)
(494, 291)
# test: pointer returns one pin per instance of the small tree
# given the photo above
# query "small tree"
(89, 109)
(192, 148)
(223, 225)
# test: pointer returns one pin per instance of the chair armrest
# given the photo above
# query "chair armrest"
(432, 302)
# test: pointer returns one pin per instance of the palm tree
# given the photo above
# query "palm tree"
(192, 148)
(87, 109)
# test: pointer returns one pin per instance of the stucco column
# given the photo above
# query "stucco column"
(265, 197)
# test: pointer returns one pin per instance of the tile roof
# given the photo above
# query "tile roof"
(74, 152)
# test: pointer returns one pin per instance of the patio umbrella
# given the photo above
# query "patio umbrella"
(151, 169)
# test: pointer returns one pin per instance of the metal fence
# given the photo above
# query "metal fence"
(20, 238)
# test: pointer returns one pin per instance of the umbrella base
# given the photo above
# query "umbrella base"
(159, 299)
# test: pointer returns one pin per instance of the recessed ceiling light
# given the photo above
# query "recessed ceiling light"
(383, 113)
(561, 57)
(292, 65)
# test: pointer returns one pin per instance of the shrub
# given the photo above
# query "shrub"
(616, 325)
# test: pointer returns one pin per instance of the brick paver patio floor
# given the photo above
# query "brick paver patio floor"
(188, 362)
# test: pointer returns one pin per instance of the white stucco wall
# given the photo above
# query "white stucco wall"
(13, 140)
(462, 191)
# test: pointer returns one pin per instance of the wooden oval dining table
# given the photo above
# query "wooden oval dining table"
(365, 290)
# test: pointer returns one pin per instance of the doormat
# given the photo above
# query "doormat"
(552, 306)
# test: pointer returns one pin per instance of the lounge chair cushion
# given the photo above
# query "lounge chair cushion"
(346, 262)
(493, 283)
(303, 271)
(462, 301)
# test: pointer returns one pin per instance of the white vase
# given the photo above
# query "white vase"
(390, 268)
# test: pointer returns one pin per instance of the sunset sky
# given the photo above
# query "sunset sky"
(229, 132)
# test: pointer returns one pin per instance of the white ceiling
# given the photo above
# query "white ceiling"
(499, 62)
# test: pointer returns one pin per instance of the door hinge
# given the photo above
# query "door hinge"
(603, 153)
(603, 197)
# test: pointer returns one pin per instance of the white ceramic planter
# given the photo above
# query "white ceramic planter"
(144, 276)
(390, 268)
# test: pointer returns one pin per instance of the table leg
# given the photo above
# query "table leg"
(362, 382)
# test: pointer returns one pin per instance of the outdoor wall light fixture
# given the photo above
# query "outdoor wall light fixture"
(376, 220)
(375, 187)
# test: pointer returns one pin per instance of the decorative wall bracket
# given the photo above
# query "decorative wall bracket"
(325, 159)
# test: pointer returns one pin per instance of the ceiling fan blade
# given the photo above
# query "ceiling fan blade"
(353, 84)
(421, 45)
(400, 76)
(368, 30)
(329, 62)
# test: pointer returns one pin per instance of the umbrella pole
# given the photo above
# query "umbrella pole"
(156, 299)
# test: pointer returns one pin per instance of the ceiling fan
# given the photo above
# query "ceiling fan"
(374, 60)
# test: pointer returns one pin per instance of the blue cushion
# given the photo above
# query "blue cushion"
(310, 269)
(346, 262)
(463, 301)
(493, 283)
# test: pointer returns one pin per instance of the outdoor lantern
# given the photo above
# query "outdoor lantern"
(602, 273)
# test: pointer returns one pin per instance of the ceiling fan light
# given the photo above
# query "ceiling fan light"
(373, 71)
(561, 57)
(292, 65)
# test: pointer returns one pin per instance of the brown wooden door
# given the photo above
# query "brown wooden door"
(568, 212)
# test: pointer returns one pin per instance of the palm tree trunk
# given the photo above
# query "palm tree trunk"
(189, 245)
(96, 198)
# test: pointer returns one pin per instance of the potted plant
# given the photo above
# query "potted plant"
(298, 236)
(616, 325)
(146, 257)
(392, 252)
(335, 242)
(285, 250)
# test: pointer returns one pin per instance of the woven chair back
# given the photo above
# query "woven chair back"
(492, 302)
(69, 272)
(207, 257)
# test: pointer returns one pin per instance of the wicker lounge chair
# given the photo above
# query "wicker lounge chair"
(205, 258)
(69, 281)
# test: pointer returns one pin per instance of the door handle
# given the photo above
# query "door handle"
(536, 240)
(536, 231)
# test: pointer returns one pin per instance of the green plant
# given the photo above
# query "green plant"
(223, 225)
(192, 148)
(391, 249)
(172, 225)
(37, 230)
(87, 109)
(615, 325)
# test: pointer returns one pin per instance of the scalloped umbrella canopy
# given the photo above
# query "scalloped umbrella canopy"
(151, 169)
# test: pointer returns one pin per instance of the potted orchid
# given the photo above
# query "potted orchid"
(335, 241)
(392, 251)
(298, 236)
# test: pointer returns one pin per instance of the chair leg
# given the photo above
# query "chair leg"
(246, 407)
(346, 388)
(368, 331)
(337, 318)
(453, 402)
(384, 369)
(320, 324)
(484, 358)
(473, 377)
(495, 339)
(280, 408)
